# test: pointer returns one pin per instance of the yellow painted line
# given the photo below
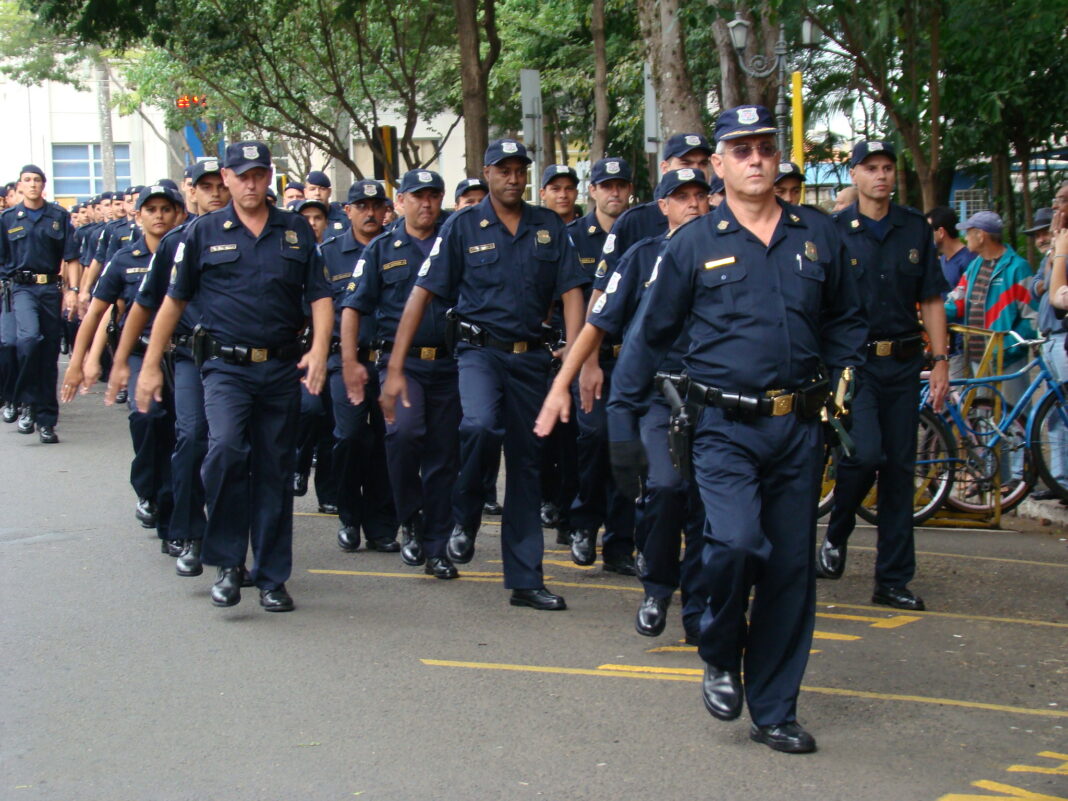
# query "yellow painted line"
(956, 616)
(1010, 793)
(916, 699)
(473, 576)
(876, 622)
(663, 671)
(691, 649)
(977, 558)
(831, 635)
(1058, 770)
(553, 562)
(311, 514)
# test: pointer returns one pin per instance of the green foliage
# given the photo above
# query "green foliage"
(32, 53)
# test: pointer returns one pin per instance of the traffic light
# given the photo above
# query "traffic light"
(385, 144)
(186, 102)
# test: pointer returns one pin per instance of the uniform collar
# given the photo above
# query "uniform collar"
(139, 248)
(854, 224)
(590, 225)
(229, 220)
(724, 221)
(487, 216)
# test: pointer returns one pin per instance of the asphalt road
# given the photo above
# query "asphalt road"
(119, 680)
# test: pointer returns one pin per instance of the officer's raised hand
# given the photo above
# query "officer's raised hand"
(629, 466)
(395, 386)
(555, 407)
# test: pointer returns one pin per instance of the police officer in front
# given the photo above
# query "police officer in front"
(891, 252)
(764, 292)
(422, 442)
(505, 262)
(37, 245)
(250, 267)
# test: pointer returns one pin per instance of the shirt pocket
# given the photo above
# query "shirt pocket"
(395, 283)
(219, 267)
(810, 276)
(724, 291)
(482, 268)
(546, 257)
(290, 268)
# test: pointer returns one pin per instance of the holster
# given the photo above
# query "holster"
(452, 320)
(5, 293)
(113, 330)
(681, 423)
(198, 345)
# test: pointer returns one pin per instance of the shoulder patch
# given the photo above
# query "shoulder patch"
(610, 244)
(598, 307)
(613, 283)
(602, 269)
(357, 271)
(425, 268)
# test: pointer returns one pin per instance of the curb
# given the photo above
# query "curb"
(1049, 513)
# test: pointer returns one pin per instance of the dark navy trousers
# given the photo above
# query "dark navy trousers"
(884, 418)
(501, 394)
(315, 438)
(152, 436)
(252, 424)
(191, 444)
(35, 312)
(423, 448)
(760, 483)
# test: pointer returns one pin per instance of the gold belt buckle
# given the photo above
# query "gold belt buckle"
(519, 347)
(258, 355)
(615, 351)
(428, 354)
(41, 278)
(372, 355)
(782, 404)
(884, 347)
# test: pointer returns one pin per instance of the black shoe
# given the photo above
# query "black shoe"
(550, 515)
(897, 597)
(383, 546)
(440, 567)
(188, 562)
(563, 537)
(830, 561)
(226, 591)
(652, 616)
(583, 546)
(26, 420)
(411, 534)
(300, 485)
(122, 396)
(10, 413)
(145, 511)
(722, 692)
(348, 538)
(789, 737)
(539, 598)
(492, 508)
(461, 547)
(277, 600)
(624, 566)
(172, 548)
(1044, 495)
(47, 435)
(328, 508)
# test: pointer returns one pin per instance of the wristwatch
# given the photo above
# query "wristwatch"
(941, 357)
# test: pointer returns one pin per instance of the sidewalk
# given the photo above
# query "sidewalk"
(1047, 512)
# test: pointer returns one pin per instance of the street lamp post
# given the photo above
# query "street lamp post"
(761, 67)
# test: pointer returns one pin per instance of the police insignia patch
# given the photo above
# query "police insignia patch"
(693, 140)
(592, 229)
(655, 272)
(174, 275)
(686, 175)
(357, 271)
(612, 167)
(602, 269)
(562, 169)
(483, 224)
(425, 268)
(543, 237)
(854, 224)
(55, 225)
(610, 243)
(211, 166)
(371, 190)
(291, 237)
(723, 225)
(875, 147)
(397, 243)
(424, 178)
(599, 305)
(747, 115)
(914, 256)
(250, 152)
(228, 225)
(613, 283)
(437, 247)
(810, 251)
(509, 147)
(179, 254)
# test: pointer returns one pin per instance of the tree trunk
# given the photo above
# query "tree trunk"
(736, 87)
(600, 78)
(1023, 153)
(107, 139)
(665, 43)
(474, 75)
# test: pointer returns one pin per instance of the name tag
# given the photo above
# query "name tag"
(389, 265)
(15, 230)
(481, 248)
(712, 265)
(217, 248)
(340, 276)
(134, 270)
(587, 261)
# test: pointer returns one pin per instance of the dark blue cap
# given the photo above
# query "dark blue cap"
(673, 179)
(188, 171)
(159, 190)
(470, 183)
(501, 149)
(610, 168)
(202, 168)
(861, 150)
(300, 205)
(318, 177)
(244, 156)
(989, 221)
(168, 182)
(33, 168)
(558, 171)
(414, 180)
(107, 195)
(366, 190)
(789, 170)
(715, 186)
(130, 190)
(1043, 220)
(271, 194)
(734, 123)
(295, 185)
(682, 143)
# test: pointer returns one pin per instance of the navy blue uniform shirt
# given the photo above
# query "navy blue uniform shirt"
(337, 221)
(588, 237)
(123, 275)
(759, 317)
(121, 236)
(386, 275)
(250, 290)
(633, 225)
(342, 255)
(501, 282)
(893, 272)
(154, 286)
(88, 242)
(39, 242)
(108, 232)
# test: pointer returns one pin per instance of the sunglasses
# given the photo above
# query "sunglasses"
(743, 151)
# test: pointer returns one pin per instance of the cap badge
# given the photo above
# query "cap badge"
(875, 147)
(562, 169)
(250, 152)
(692, 140)
(810, 251)
(211, 166)
(543, 237)
(370, 190)
(747, 115)
(291, 237)
(509, 147)
(785, 168)
(612, 167)
(914, 256)
(686, 175)
(424, 178)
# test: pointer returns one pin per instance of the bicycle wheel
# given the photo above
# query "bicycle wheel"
(1049, 445)
(983, 465)
(933, 476)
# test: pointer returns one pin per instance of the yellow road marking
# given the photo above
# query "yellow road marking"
(472, 576)
(1058, 770)
(692, 649)
(831, 635)
(665, 671)
(554, 562)
(876, 622)
(917, 699)
(955, 616)
(1009, 791)
(974, 556)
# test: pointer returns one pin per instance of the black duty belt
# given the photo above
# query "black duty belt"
(140, 346)
(426, 354)
(362, 354)
(473, 335)
(804, 402)
(248, 354)
(611, 351)
(902, 348)
(30, 277)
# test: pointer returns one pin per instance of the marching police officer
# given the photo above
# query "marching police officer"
(37, 245)
(788, 182)
(317, 187)
(294, 191)
(891, 252)
(763, 290)
(469, 192)
(251, 267)
(422, 442)
(505, 262)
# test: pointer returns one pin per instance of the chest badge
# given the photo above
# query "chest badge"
(484, 224)
(854, 224)
(291, 237)
(543, 237)
(794, 218)
(592, 229)
(398, 243)
(810, 251)
(723, 225)
(55, 225)
(914, 256)
(228, 225)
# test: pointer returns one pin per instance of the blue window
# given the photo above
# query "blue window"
(77, 170)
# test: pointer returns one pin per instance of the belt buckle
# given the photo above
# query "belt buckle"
(782, 404)
(884, 347)
(41, 278)
(519, 347)
(372, 355)
(428, 354)
(257, 355)
(615, 350)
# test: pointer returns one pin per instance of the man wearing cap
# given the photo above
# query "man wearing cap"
(954, 258)
(113, 207)
(598, 502)
(788, 182)
(669, 505)
(251, 268)
(124, 230)
(422, 442)
(191, 426)
(891, 253)
(364, 493)
(505, 262)
(469, 192)
(294, 191)
(559, 190)
(152, 431)
(37, 247)
(317, 187)
(767, 299)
